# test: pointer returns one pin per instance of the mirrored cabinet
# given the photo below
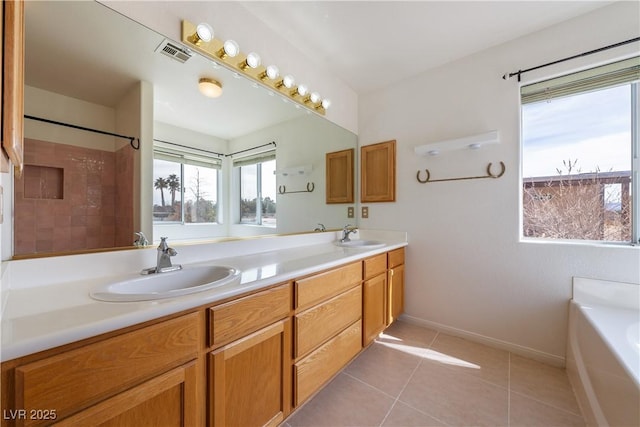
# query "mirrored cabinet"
(340, 176)
(378, 172)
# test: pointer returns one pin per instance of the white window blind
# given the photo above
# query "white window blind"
(186, 156)
(253, 159)
(614, 74)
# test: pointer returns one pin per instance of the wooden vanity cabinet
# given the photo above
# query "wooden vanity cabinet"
(245, 362)
(129, 379)
(395, 292)
(249, 378)
(328, 327)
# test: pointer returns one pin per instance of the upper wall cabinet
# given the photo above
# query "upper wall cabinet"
(12, 84)
(340, 176)
(378, 172)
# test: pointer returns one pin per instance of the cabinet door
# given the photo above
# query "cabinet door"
(339, 172)
(250, 379)
(396, 293)
(167, 400)
(374, 308)
(378, 172)
(13, 83)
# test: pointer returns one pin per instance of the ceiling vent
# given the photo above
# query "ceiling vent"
(179, 53)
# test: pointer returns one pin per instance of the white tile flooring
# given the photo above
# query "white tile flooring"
(412, 376)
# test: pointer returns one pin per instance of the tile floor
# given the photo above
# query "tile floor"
(412, 376)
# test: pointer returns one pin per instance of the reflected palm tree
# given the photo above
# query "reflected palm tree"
(173, 183)
(160, 184)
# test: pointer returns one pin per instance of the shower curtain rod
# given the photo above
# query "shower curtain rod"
(54, 122)
(191, 148)
(252, 148)
(507, 76)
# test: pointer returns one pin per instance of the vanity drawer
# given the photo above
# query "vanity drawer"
(316, 325)
(315, 289)
(236, 319)
(316, 369)
(396, 258)
(375, 265)
(79, 378)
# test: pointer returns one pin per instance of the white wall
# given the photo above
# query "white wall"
(302, 141)
(53, 106)
(467, 269)
(231, 20)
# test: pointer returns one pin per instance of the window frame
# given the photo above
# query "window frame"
(181, 157)
(258, 160)
(634, 163)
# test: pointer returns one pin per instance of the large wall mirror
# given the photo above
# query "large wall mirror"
(245, 163)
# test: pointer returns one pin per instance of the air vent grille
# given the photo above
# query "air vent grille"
(174, 51)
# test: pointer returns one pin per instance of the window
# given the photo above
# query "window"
(185, 186)
(579, 155)
(257, 188)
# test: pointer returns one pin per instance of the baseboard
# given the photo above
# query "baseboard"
(541, 356)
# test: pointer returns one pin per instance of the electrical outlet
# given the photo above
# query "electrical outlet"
(350, 212)
(365, 212)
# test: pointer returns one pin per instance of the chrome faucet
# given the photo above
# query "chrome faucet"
(141, 241)
(163, 263)
(346, 231)
(320, 227)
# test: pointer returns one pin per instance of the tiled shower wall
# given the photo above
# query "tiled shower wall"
(72, 198)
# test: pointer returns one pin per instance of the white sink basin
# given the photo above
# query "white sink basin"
(189, 280)
(361, 244)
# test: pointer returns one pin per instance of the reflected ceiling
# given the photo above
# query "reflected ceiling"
(102, 73)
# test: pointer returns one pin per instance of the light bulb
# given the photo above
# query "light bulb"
(326, 103)
(314, 97)
(204, 33)
(272, 72)
(288, 81)
(230, 48)
(253, 60)
(302, 90)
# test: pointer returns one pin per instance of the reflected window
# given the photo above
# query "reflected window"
(185, 187)
(257, 182)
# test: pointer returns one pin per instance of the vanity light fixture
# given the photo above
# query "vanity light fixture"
(200, 38)
(253, 61)
(209, 87)
(204, 33)
(230, 49)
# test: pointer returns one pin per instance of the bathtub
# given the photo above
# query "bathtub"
(603, 351)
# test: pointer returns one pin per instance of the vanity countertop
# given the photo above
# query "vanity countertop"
(37, 315)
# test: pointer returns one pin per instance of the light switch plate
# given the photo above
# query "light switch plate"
(350, 212)
(365, 212)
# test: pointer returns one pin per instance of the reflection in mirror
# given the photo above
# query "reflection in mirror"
(82, 190)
